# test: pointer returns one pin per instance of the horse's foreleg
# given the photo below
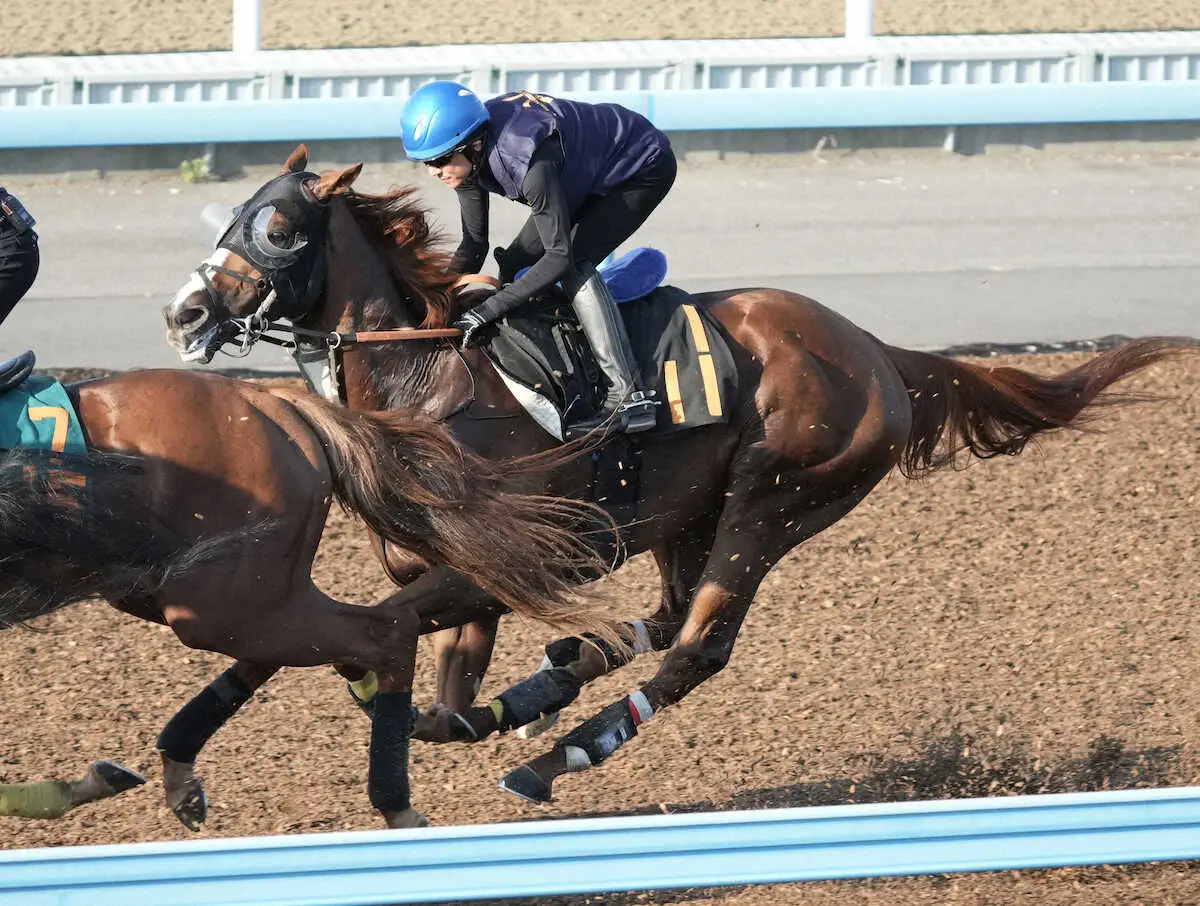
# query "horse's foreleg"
(54, 798)
(463, 655)
(533, 705)
(463, 619)
(193, 726)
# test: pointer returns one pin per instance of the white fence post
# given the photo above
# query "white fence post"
(860, 20)
(247, 26)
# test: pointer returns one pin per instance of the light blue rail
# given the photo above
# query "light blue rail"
(709, 109)
(545, 858)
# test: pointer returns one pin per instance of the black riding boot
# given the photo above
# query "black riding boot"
(627, 407)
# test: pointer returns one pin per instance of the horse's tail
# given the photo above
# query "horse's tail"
(73, 527)
(996, 411)
(415, 486)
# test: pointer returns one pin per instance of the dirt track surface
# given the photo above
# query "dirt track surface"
(109, 26)
(1023, 625)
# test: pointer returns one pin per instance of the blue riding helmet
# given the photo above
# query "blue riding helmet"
(438, 117)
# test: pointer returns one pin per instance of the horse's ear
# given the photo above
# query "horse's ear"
(298, 160)
(334, 181)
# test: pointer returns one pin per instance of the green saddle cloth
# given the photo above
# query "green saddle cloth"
(39, 415)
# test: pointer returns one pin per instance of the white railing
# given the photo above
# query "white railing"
(780, 63)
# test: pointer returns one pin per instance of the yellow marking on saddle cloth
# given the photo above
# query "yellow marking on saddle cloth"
(674, 396)
(62, 421)
(44, 799)
(708, 371)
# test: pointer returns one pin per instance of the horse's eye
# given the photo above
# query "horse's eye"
(279, 239)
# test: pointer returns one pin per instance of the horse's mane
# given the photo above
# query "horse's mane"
(399, 226)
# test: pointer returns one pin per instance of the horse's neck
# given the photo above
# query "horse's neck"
(410, 374)
(422, 375)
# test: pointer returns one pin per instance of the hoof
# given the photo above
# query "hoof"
(526, 783)
(538, 727)
(116, 777)
(190, 804)
(461, 729)
(410, 817)
(441, 725)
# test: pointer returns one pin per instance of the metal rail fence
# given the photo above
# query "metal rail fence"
(600, 855)
(315, 120)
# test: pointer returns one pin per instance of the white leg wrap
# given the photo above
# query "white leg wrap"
(641, 707)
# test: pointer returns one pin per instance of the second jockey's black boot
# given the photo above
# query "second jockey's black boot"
(627, 406)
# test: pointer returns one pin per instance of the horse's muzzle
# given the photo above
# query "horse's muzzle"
(189, 330)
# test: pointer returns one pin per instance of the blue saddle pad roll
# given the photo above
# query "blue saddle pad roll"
(635, 274)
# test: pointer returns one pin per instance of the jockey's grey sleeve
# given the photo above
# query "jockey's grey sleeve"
(472, 250)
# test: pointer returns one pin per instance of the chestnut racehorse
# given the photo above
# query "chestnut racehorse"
(200, 503)
(825, 410)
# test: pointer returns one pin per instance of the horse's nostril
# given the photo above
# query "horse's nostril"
(191, 318)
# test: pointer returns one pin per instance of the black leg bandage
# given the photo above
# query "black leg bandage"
(603, 734)
(186, 733)
(387, 777)
(545, 692)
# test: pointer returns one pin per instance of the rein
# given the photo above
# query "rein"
(252, 329)
(257, 326)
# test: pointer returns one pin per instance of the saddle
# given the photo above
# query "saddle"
(541, 354)
(14, 371)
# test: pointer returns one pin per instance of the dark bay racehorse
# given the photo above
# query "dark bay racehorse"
(200, 505)
(825, 411)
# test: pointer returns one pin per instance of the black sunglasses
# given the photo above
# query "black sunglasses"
(447, 157)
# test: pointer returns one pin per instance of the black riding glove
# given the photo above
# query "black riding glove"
(470, 323)
(492, 309)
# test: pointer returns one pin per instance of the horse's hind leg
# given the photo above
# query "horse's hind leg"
(756, 530)
(308, 629)
(193, 726)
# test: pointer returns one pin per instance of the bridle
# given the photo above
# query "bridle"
(319, 354)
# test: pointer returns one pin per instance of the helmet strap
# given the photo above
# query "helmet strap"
(476, 151)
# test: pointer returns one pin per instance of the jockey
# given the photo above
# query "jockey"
(19, 259)
(590, 173)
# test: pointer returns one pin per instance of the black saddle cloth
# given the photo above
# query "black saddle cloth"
(680, 349)
(14, 371)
